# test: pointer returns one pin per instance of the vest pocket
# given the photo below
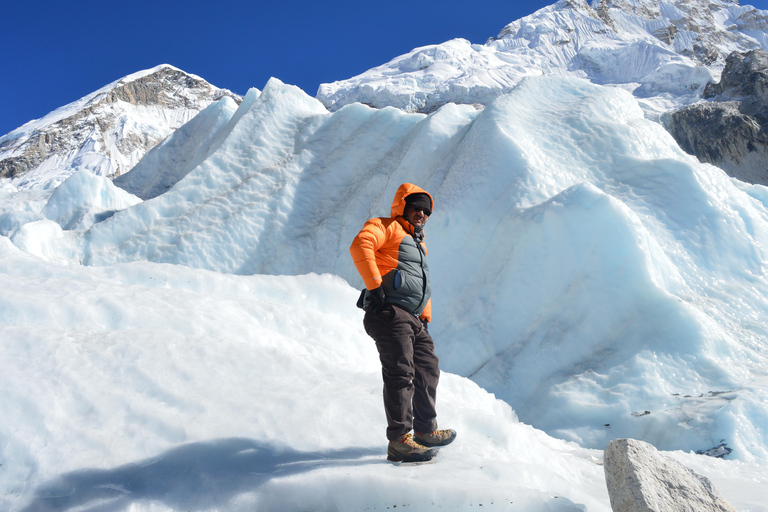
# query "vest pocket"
(397, 282)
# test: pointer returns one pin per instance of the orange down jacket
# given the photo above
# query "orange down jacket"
(389, 253)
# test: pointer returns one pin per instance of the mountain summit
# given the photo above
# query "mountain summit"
(108, 131)
(662, 52)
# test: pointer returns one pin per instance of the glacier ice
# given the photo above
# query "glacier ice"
(584, 266)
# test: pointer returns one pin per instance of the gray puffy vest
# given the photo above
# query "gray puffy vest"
(407, 285)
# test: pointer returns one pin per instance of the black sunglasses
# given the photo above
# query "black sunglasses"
(426, 211)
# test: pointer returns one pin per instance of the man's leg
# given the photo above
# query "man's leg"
(425, 382)
(394, 334)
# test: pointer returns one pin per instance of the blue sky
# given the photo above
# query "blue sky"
(57, 52)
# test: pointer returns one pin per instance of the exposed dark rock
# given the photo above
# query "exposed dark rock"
(666, 34)
(731, 131)
(745, 78)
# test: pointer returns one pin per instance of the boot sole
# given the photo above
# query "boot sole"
(426, 457)
(412, 463)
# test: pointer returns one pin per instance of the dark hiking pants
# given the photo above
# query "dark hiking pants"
(409, 368)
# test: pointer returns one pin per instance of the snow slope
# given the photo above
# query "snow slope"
(155, 387)
(586, 270)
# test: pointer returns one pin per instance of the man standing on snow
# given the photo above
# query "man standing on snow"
(390, 255)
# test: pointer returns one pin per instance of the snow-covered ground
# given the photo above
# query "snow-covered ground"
(145, 386)
(201, 350)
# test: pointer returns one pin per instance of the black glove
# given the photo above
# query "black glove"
(377, 298)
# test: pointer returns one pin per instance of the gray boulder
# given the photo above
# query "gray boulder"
(640, 479)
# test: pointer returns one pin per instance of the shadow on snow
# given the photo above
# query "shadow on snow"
(193, 476)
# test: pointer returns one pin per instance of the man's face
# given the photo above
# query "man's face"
(416, 215)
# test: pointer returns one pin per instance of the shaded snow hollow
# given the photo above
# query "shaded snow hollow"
(585, 271)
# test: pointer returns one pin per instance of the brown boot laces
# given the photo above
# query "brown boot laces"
(437, 433)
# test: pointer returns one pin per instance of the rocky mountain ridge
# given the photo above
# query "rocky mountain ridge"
(731, 130)
(108, 131)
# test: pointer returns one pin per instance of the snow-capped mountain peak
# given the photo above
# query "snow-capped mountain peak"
(663, 52)
(107, 131)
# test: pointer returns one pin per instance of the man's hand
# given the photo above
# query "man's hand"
(377, 299)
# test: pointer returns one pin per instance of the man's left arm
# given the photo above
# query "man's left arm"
(426, 316)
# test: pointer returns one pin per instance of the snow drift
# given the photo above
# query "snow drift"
(155, 387)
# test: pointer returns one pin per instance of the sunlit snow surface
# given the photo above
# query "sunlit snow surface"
(202, 349)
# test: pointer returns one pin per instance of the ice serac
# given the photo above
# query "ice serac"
(667, 52)
(165, 164)
(567, 229)
(286, 179)
(85, 199)
(590, 241)
(223, 210)
(106, 132)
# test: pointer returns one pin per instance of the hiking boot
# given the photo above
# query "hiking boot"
(406, 449)
(436, 438)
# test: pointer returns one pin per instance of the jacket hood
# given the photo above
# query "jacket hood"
(403, 191)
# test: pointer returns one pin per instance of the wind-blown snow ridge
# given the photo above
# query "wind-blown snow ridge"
(663, 52)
